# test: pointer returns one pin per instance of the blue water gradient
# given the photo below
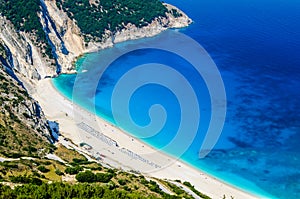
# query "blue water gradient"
(256, 46)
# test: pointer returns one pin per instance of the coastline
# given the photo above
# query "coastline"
(75, 42)
(80, 126)
(119, 149)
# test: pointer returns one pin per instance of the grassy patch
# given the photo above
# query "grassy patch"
(68, 155)
(18, 134)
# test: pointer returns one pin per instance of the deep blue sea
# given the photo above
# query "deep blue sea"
(256, 47)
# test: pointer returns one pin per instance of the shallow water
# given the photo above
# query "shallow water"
(256, 46)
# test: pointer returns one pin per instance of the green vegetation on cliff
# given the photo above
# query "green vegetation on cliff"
(2, 51)
(94, 18)
(23, 133)
(24, 15)
(32, 178)
(68, 191)
(20, 134)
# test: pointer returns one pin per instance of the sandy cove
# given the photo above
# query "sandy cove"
(119, 149)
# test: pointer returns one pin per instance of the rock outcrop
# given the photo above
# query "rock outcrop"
(23, 126)
(131, 32)
(26, 62)
(24, 59)
(29, 64)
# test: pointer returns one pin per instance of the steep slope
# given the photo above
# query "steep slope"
(25, 39)
(43, 38)
(23, 127)
(40, 39)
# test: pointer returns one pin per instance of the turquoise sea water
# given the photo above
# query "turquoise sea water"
(256, 46)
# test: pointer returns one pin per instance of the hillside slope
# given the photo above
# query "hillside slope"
(24, 130)
(43, 38)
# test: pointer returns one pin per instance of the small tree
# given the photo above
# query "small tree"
(73, 170)
(103, 177)
(43, 169)
(59, 172)
(122, 182)
(86, 176)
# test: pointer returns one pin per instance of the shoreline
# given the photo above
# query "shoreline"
(70, 116)
(129, 32)
(119, 149)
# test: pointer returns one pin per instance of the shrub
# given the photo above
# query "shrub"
(59, 172)
(152, 182)
(103, 177)
(122, 182)
(26, 115)
(154, 187)
(97, 168)
(111, 171)
(111, 185)
(126, 188)
(47, 163)
(43, 169)
(175, 188)
(188, 184)
(80, 161)
(34, 173)
(36, 181)
(196, 191)
(25, 179)
(73, 170)
(15, 155)
(144, 181)
(86, 176)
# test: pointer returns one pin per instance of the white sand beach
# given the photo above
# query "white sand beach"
(120, 150)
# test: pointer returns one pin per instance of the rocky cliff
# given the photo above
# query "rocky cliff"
(24, 130)
(28, 63)
(29, 54)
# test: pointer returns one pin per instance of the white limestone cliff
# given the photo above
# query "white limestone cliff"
(30, 64)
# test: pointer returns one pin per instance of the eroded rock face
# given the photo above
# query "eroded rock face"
(18, 108)
(30, 64)
(131, 32)
(23, 61)
(22, 56)
(70, 34)
(63, 34)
